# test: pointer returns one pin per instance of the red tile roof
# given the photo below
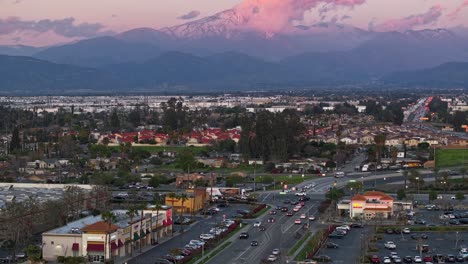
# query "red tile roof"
(358, 197)
(100, 226)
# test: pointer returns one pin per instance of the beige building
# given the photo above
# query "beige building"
(98, 241)
(368, 205)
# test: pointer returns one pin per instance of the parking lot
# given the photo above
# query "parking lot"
(444, 243)
(349, 247)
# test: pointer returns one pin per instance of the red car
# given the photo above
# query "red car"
(375, 259)
(427, 259)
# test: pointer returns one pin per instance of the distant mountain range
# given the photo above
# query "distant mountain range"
(218, 51)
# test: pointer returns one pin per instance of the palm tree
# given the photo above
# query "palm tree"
(157, 206)
(463, 172)
(141, 207)
(183, 197)
(131, 213)
(108, 217)
(380, 144)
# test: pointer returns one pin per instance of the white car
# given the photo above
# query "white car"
(303, 216)
(206, 236)
(387, 260)
(311, 218)
(197, 242)
(301, 194)
(345, 227)
(257, 224)
(272, 258)
(406, 230)
(417, 259)
(276, 251)
(440, 197)
(390, 245)
(453, 197)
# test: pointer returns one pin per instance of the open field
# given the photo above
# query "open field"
(451, 157)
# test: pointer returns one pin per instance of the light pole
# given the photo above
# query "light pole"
(417, 182)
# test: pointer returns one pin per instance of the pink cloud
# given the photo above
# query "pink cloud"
(454, 14)
(277, 15)
(410, 22)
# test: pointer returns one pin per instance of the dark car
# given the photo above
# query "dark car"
(389, 231)
(244, 235)
(331, 245)
(460, 258)
(262, 228)
(294, 202)
(278, 207)
(420, 222)
(272, 212)
(290, 213)
(450, 258)
(438, 258)
(454, 222)
(408, 259)
(271, 220)
(424, 236)
(287, 201)
(336, 235)
(254, 243)
(162, 261)
(356, 225)
(304, 198)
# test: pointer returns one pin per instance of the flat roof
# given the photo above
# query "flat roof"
(76, 226)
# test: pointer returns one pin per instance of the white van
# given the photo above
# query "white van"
(339, 174)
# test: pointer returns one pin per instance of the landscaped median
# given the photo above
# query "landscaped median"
(299, 243)
(313, 245)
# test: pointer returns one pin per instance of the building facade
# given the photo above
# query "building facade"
(98, 241)
(368, 205)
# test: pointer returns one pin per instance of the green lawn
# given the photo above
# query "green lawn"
(293, 180)
(451, 157)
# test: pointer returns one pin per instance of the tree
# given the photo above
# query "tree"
(380, 144)
(335, 194)
(108, 217)
(354, 187)
(460, 196)
(183, 197)
(401, 194)
(394, 154)
(432, 195)
(463, 171)
(157, 207)
(114, 120)
(131, 213)
(186, 160)
(33, 252)
(15, 143)
(233, 180)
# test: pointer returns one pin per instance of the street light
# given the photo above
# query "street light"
(417, 181)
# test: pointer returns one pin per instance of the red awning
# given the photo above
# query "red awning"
(121, 244)
(95, 248)
(76, 247)
(114, 246)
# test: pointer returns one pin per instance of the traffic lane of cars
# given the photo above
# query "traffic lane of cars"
(277, 234)
(425, 245)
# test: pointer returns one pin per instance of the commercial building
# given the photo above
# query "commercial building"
(195, 200)
(97, 240)
(368, 205)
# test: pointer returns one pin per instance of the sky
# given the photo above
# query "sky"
(48, 22)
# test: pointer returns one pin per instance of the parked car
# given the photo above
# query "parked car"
(375, 259)
(322, 258)
(331, 245)
(276, 251)
(390, 245)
